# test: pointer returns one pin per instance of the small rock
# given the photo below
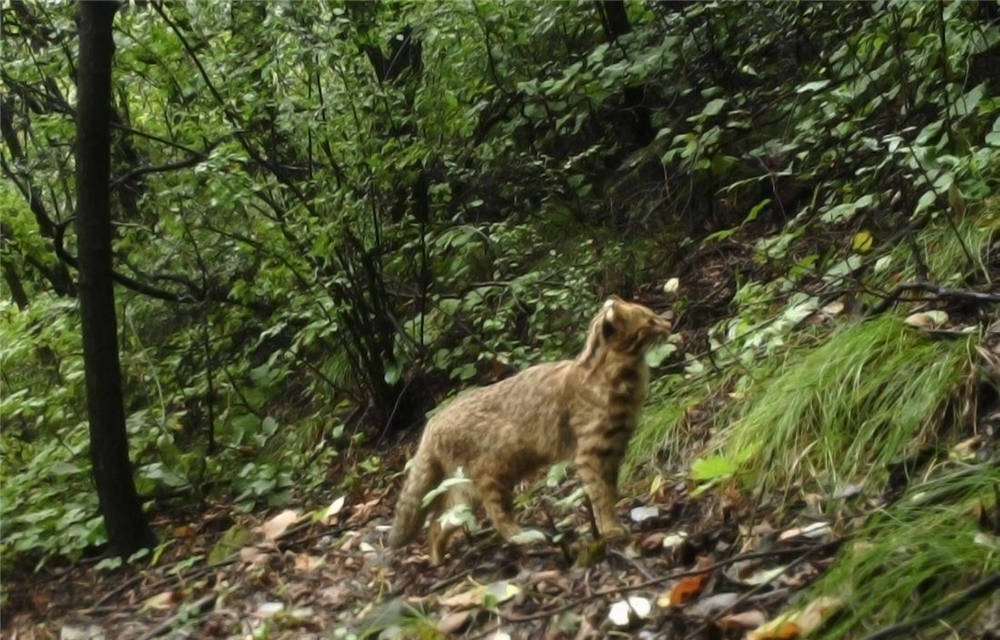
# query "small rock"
(640, 514)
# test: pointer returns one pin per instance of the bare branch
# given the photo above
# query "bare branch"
(196, 157)
(945, 293)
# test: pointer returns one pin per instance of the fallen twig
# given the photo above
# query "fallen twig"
(183, 614)
(946, 293)
(450, 580)
(755, 591)
(660, 580)
(631, 561)
(124, 586)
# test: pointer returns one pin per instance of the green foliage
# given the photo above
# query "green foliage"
(661, 436)
(46, 496)
(842, 411)
(381, 202)
(889, 572)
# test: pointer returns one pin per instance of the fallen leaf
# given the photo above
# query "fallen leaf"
(776, 630)
(363, 512)
(528, 537)
(253, 555)
(454, 621)
(304, 563)
(623, 612)
(233, 539)
(92, 632)
(712, 605)
(675, 540)
(165, 600)
(797, 623)
(987, 540)
(741, 621)
(685, 589)
(330, 513)
(835, 308)
(956, 200)
(927, 320)
(882, 264)
(268, 609)
(276, 526)
(862, 241)
(800, 576)
(335, 595)
(814, 530)
(497, 593)
(816, 612)
(653, 541)
(967, 448)
(846, 491)
(502, 591)
(550, 582)
(302, 614)
(764, 576)
(656, 483)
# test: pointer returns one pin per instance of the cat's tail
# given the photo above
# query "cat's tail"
(425, 474)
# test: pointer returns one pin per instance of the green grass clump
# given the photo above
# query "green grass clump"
(661, 435)
(944, 250)
(872, 393)
(917, 555)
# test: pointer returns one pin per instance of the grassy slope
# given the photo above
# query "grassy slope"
(868, 403)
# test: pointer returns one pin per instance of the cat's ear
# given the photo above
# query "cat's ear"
(608, 321)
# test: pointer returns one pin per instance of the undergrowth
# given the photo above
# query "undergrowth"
(664, 435)
(841, 412)
(916, 553)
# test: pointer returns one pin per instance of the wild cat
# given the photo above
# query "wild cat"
(583, 409)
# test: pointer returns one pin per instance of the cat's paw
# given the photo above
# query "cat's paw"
(528, 536)
(615, 533)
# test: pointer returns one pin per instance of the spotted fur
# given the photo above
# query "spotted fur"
(583, 409)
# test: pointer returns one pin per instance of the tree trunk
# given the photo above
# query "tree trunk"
(14, 285)
(616, 24)
(126, 525)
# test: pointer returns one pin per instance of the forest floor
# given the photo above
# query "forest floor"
(692, 568)
(719, 565)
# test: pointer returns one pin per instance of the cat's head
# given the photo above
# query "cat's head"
(626, 328)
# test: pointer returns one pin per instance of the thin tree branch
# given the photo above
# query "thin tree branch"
(196, 157)
(130, 283)
(939, 292)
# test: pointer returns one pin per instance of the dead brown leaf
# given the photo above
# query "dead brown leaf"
(797, 623)
(454, 621)
(927, 320)
(653, 541)
(304, 563)
(164, 600)
(276, 526)
(363, 511)
(742, 621)
(253, 555)
(687, 588)
(474, 597)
